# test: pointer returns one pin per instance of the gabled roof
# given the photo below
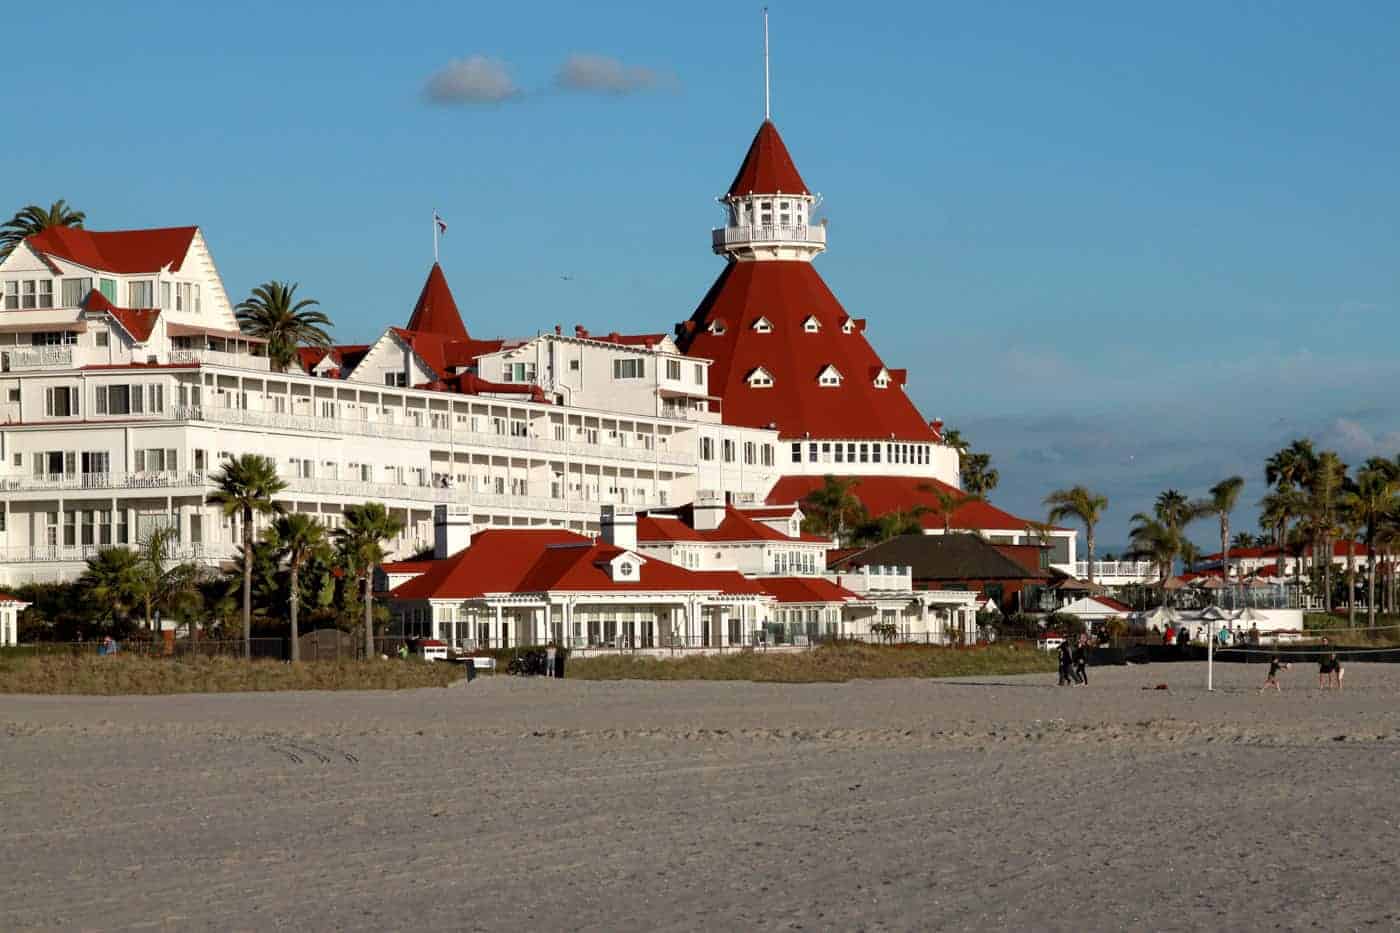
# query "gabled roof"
(786, 293)
(955, 557)
(528, 560)
(737, 526)
(138, 322)
(436, 311)
(767, 168)
(805, 590)
(124, 252)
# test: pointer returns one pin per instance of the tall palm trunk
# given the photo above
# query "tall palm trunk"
(1281, 539)
(295, 602)
(247, 584)
(1327, 570)
(1225, 546)
(1371, 588)
(369, 614)
(1089, 541)
(1351, 583)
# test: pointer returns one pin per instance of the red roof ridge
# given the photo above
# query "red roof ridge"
(120, 251)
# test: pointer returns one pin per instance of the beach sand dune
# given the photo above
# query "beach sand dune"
(503, 804)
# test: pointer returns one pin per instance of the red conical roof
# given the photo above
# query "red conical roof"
(436, 312)
(767, 167)
(787, 293)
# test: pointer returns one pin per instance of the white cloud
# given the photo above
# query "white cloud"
(600, 74)
(476, 79)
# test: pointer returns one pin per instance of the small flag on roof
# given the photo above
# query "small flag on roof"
(441, 224)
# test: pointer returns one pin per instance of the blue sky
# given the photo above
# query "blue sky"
(1127, 245)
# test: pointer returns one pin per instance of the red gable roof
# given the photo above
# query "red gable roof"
(529, 560)
(786, 293)
(767, 167)
(736, 525)
(883, 494)
(805, 590)
(121, 251)
(436, 311)
(138, 322)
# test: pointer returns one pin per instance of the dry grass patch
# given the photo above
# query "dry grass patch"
(125, 675)
(826, 664)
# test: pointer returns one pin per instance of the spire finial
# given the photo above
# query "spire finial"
(767, 106)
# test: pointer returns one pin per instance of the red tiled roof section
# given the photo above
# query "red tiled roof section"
(736, 525)
(786, 293)
(469, 384)
(541, 560)
(125, 252)
(805, 590)
(883, 494)
(138, 322)
(767, 167)
(436, 311)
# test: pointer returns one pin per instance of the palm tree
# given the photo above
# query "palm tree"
(833, 509)
(949, 501)
(1288, 470)
(245, 486)
(361, 540)
(1244, 539)
(273, 313)
(1223, 497)
(1324, 487)
(113, 581)
(1351, 525)
(299, 538)
(1372, 505)
(978, 476)
(1277, 510)
(1080, 503)
(1155, 540)
(1174, 509)
(35, 219)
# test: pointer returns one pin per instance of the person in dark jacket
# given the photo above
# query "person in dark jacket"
(1081, 661)
(1066, 663)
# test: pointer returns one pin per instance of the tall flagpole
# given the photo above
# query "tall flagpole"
(767, 104)
(435, 236)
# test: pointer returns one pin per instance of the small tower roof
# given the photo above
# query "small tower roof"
(767, 168)
(436, 311)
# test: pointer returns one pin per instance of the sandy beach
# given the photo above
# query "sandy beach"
(506, 804)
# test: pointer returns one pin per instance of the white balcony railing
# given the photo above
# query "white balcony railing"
(39, 358)
(457, 495)
(146, 479)
(43, 553)
(1110, 571)
(304, 423)
(221, 358)
(728, 236)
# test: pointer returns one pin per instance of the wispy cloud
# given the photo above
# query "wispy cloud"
(476, 79)
(601, 74)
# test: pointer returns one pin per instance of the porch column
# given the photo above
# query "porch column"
(496, 628)
(432, 615)
(722, 614)
(548, 621)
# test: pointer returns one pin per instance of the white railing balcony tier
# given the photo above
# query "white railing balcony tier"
(730, 236)
(148, 479)
(221, 358)
(1108, 570)
(45, 553)
(41, 358)
(455, 495)
(414, 432)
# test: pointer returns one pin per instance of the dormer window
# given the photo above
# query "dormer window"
(812, 325)
(717, 327)
(882, 378)
(762, 326)
(829, 377)
(848, 326)
(760, 379)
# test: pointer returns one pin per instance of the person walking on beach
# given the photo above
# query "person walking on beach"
(1271, 680)
(1066, 663)
(1081, 661)
(1324, 666)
